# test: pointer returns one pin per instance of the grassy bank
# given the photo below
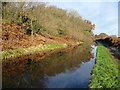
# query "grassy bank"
(33, 49)
(105, 71)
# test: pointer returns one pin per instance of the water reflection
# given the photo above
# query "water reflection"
(63, 69)
(72, 79)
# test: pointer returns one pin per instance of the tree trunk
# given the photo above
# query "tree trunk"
(31, 29)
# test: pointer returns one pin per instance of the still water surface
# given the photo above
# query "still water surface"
(71, 69)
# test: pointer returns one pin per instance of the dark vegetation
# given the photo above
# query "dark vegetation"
(111, 42)
(27, 24)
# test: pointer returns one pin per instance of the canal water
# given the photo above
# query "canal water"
(68, 69)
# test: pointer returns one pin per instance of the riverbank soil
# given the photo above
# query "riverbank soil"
(14, 37)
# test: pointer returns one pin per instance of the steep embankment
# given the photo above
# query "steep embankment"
(13, 36)
(16, 43)
(47, 20)
(25, 26)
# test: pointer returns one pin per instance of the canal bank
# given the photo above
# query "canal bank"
(31, 50)
(105, 71)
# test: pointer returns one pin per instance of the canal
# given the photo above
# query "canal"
(67, 69)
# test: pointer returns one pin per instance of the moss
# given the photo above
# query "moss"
(105, 71)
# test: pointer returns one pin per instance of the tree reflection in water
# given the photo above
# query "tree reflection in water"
(38, 73)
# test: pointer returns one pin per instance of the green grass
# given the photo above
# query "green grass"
(105, 72)
(33, 49)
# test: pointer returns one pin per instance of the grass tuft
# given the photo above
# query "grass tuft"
(33, 49)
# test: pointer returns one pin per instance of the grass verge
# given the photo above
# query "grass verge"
(105, 72)
(33, 49)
